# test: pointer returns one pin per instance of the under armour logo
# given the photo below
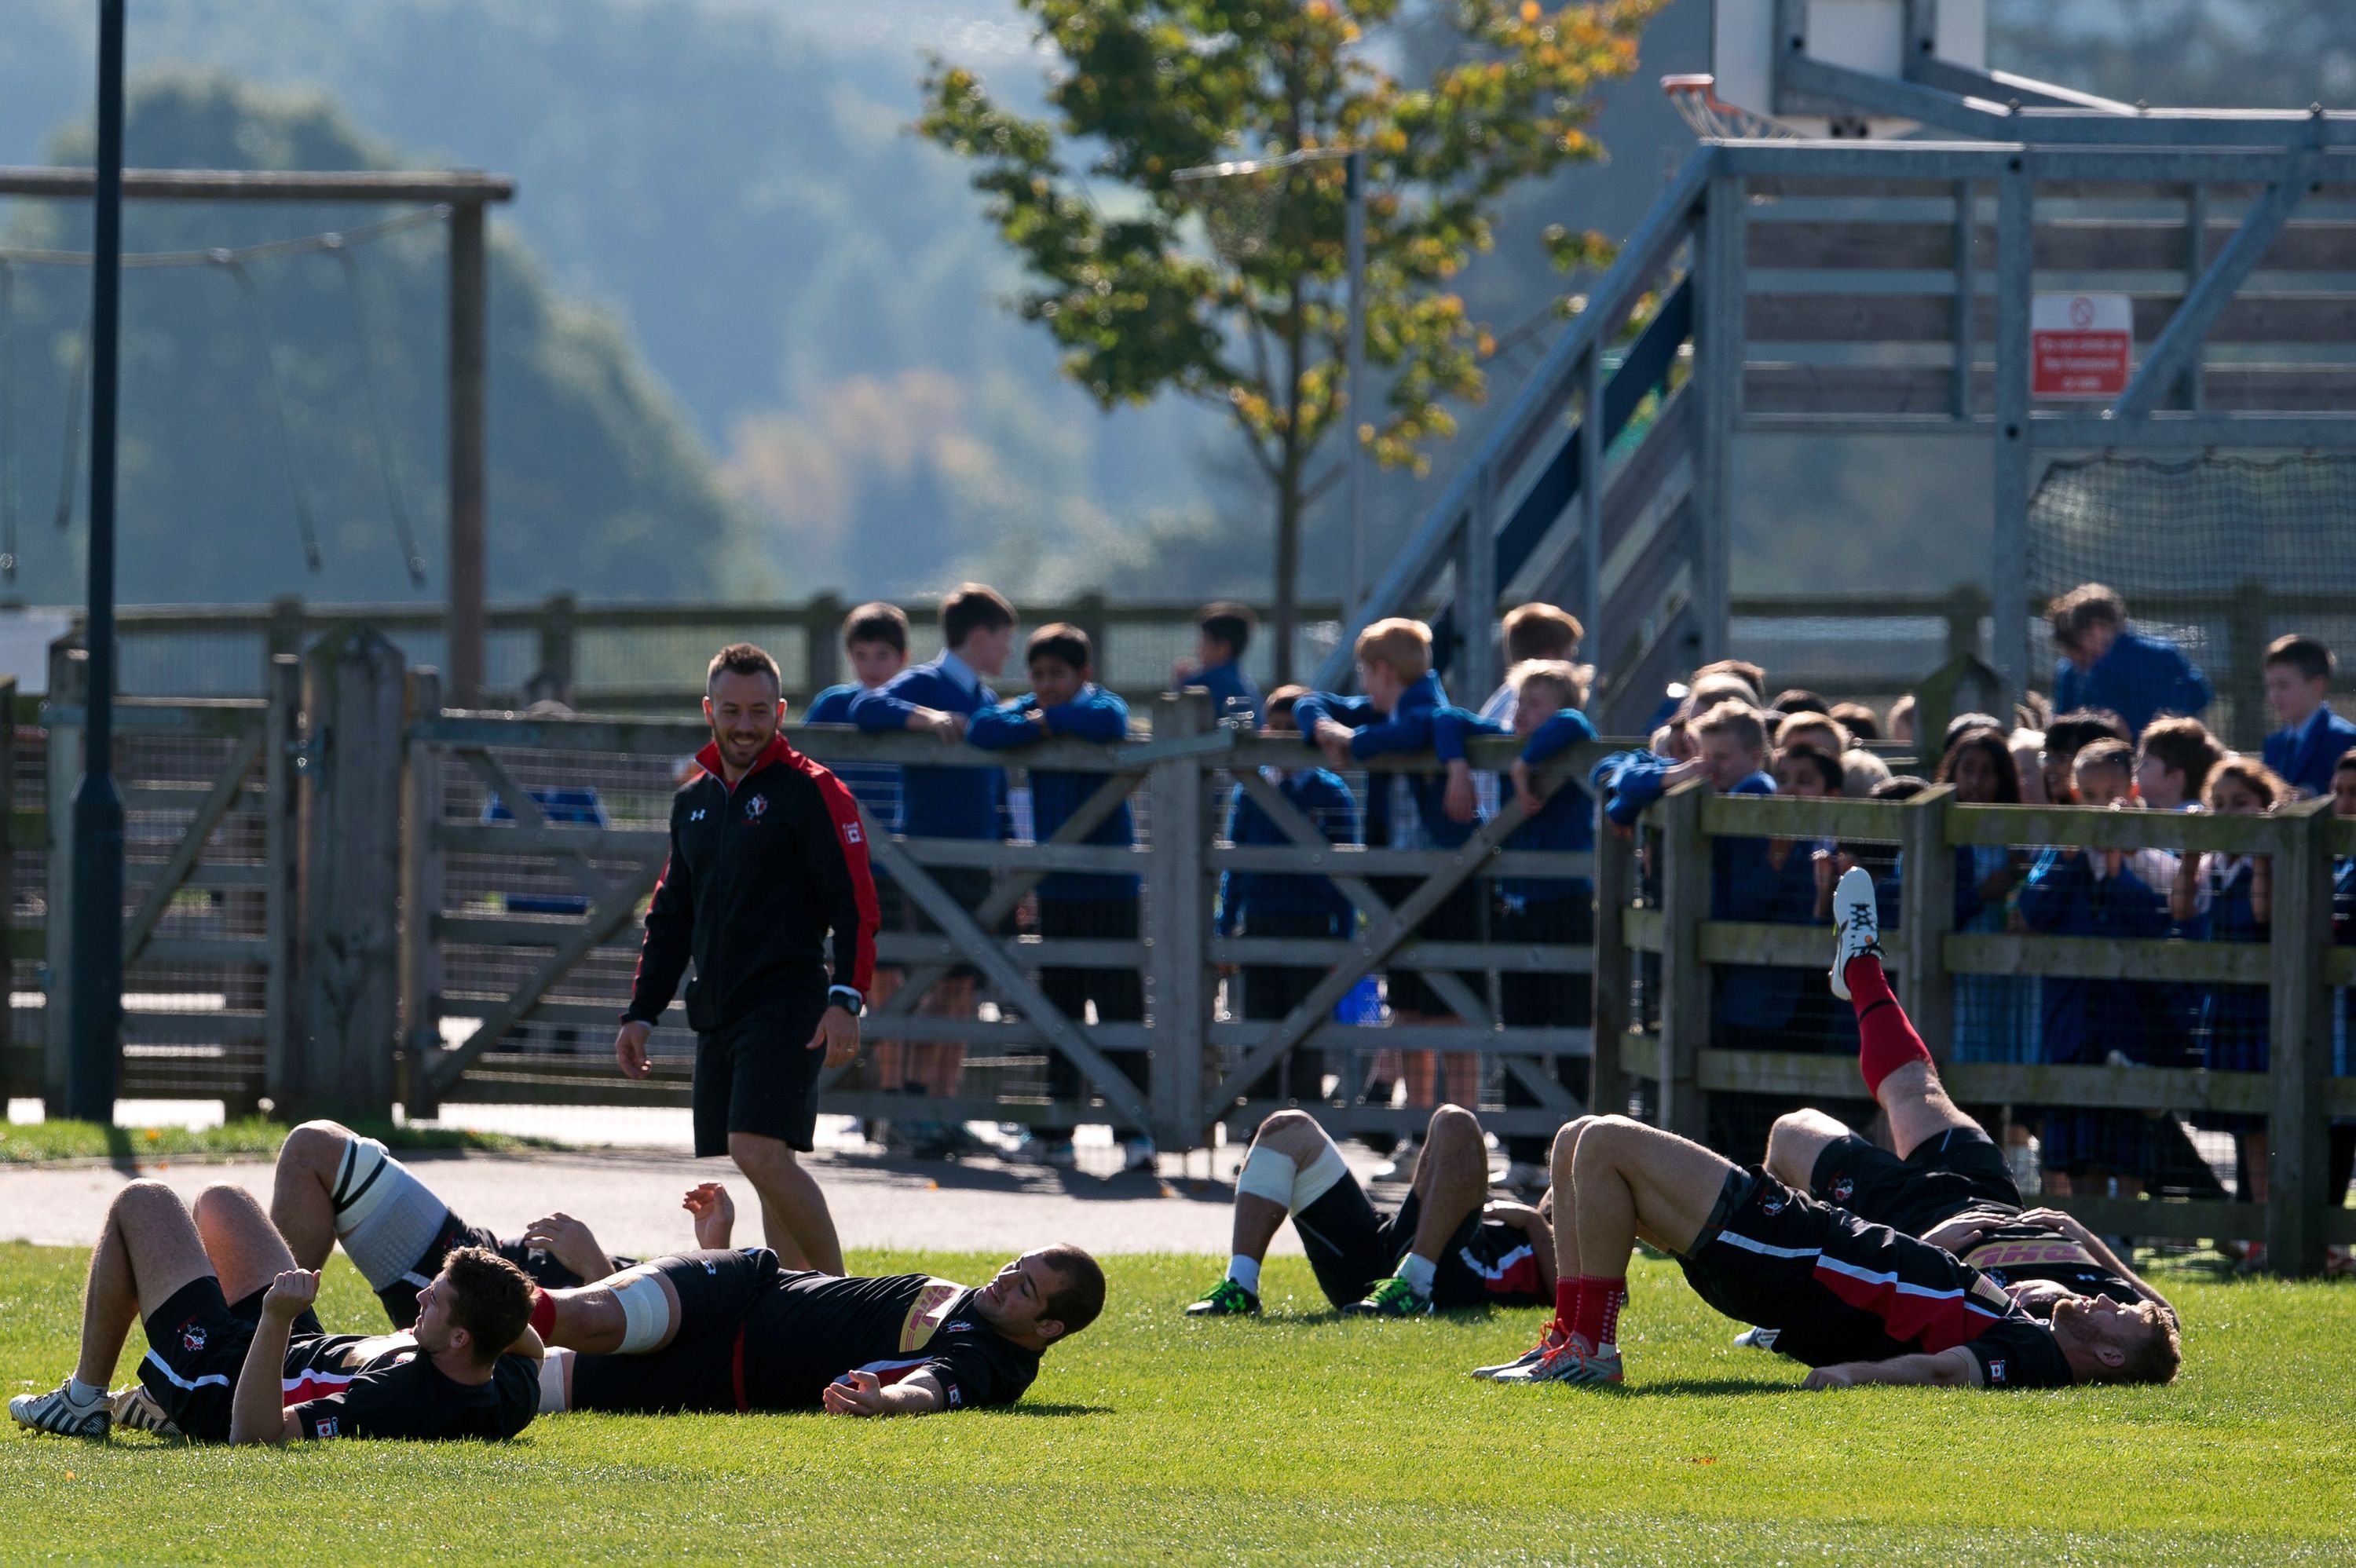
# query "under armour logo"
(696, 816)
(710, 1268)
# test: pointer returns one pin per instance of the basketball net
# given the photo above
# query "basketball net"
(1697, 102)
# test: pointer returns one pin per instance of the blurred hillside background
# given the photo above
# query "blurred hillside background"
(746, 341)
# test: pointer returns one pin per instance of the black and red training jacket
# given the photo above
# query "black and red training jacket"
(760, 877)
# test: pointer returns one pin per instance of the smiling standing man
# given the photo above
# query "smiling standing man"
(768, 863)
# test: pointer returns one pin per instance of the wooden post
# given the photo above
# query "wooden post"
(69, 686)
(559, 632)
(421, 899)
(1177, 925)
(1685, 978)
(1473, 670)
(1926, 913)
(1089, 615)
(2299, 1023)
(282, 759)
(282, 633)
(822, 642)
(348, 987)
(467, 364)
(1612, 978)
(2245, 646)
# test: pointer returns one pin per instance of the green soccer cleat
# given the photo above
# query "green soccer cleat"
(1226, 1300)
(1393, 1297)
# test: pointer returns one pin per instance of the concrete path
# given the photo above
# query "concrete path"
(631, 1199)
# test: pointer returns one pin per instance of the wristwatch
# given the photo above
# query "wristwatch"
(847, 997)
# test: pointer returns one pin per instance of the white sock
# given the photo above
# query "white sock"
(1245, 1272)
(1418, 1272)
(80, 1393)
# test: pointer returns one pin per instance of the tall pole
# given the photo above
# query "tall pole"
(468, 463)
(97, 989)
(1354, 188)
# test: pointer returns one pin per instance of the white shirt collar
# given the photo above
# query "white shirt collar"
(958, 670)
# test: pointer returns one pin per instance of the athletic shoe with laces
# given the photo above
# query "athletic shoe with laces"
(134, 1407)
(57, 1410)
(1547, 1341)
(1858, 918)
(1571, 1361)
(1392, 1298)
(1226, 1300)
(1756, 1339)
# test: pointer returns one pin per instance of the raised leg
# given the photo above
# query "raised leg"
(302, 1196)
(1452, 1177)
(246, 1249)
(1797, 1141)
(149, 1249)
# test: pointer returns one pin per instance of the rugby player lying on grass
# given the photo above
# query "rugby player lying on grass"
(1446, 1246)
(734, 1330)
(264, 1371)
(1948, 1182)
(333, 1185)
(1856, 1301)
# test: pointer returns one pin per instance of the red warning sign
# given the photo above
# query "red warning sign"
(2080, 345)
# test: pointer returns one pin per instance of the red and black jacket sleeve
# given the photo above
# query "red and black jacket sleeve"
(834, 846)
(670, 937)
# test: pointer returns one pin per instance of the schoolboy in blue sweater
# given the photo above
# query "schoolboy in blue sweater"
(2312, 739)
(939, 697)
(1283, 905)
(2107, 663)
(1402, 693)
(1067, 703)
(1223, 630)
(1547, 695)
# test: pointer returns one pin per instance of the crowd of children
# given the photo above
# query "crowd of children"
(2126, 735)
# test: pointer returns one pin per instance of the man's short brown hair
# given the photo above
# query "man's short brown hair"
(2306, 655)
(490, 1299)
(1541, 632)
(1738, 719)
(2072, 615)
(2186, 746)
(971, 607)
(1079, 1297)
(877, 623)
(2157, 1358)
(1229, 622)
(1560, 677)
(1280, 704)
(1063, 642)
(742, 658)
(1399, 645)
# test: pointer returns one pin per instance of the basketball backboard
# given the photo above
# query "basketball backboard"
(1870, 36)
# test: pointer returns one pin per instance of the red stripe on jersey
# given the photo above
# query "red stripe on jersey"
(311, 1386)
(850, 837)
(1936, 1321)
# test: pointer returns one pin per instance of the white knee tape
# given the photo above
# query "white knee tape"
(1267, 1174)
(646, 1314)
(1321, 1176)
(385, 1217)
(553, 1367)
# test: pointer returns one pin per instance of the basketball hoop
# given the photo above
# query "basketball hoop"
(1697, 102)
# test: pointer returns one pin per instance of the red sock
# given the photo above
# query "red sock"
(1565, 1302)
(1599, 1309)
(1886, 1037)
(543, 1313)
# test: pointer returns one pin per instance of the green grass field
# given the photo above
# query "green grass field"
(1296, 1438)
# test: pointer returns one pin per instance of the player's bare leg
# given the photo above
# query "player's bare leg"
(794, 1216)
(245, 1248)
(1286, 1146)
(302, 1196)
(632, 1313)
(1451, 1180)
(147, 1249)
(1565, 1216)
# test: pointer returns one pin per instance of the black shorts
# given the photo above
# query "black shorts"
(1352, 1246)
(704, 1366)
(195, 1347)
(759, 1075)
(1781, 1260)
(1957, 1170)
(399, 1297)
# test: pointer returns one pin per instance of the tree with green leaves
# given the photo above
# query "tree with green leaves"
(1255, 321)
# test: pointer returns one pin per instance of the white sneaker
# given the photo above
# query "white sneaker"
(1756, 1339)
(57, 1410)
(134, 1407)
(1860, 922)
(1400, 1167)
(1138, 1154)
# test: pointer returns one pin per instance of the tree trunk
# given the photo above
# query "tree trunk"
(1286, 610)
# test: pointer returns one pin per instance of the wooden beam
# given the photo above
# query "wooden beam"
(456, 187)
(467, 409)
(191, 846)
